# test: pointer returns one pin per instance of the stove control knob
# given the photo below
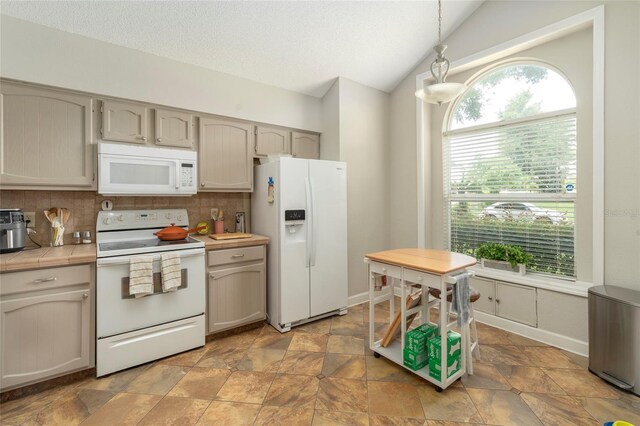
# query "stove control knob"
(180, 218)
(168, 215)
(106, 220)
(121, 218)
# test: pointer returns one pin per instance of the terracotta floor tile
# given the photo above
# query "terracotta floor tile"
(157, 380)
(293, 391)
(342, 395)
(227, 358)
(498, 407)
(20, 410)
(529, 379)
(260, 359)
(123, 409)
(347, 328)
(246, 386)
(345, 345)
(309, 342)
(278, 416)
(74, 407)
(582, 361)
(337, 418)
(322, 326)
(230, 413)
(273, 341)
(446, 423)
(518, 340)
(175, 411)
(452, 404)
(394, 399)
(397, 421)
(549, 357)
(381, 369)
(344, 366)
(491, 335)
(302, 363)
(581, 383)
(558, 409)
(485, 376)
(606, 410)
(499, 354)
(200, 383)
(115, 382)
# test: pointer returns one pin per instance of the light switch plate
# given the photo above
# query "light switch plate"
(30, 216)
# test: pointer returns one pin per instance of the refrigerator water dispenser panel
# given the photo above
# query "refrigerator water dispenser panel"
(293, 218)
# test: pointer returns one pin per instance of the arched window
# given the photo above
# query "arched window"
(510, 165)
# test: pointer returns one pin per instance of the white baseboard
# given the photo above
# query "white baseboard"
(357, 299)
(564, 342)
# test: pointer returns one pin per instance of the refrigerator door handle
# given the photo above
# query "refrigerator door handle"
(307, 189)
(314, 235)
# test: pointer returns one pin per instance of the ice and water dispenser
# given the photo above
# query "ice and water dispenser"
(293, 220)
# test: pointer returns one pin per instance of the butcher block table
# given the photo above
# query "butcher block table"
(415, 267)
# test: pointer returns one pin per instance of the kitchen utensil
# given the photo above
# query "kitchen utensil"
(65, 214)
(218, 227)
(205, 228)
(13, 231)
(230, 236)
(174, 233)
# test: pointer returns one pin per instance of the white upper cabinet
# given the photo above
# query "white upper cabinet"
(124, 122)
(225, 155)
(270, 140)
(45, 139)
(173, 128)
(305, 145)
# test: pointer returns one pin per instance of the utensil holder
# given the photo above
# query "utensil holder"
(218, 227)
(56, 236)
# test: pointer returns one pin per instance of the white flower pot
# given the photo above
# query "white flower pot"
(502, 265)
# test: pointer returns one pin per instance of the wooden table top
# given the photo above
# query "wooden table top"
(439, 262)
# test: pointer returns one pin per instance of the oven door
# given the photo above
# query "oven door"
(117, 312)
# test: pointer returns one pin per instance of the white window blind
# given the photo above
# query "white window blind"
(514, 182)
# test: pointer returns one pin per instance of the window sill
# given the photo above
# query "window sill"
(575, 288)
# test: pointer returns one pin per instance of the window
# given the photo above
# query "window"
(510, 165)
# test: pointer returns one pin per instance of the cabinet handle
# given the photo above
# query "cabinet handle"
(490, 298)
(85, 295)
(235, 256)
(44, 280)
(144, 138)
(159, 139)
(202, 184)
(497, 300)
(212, 276)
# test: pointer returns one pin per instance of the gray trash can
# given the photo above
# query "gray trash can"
(614, 335)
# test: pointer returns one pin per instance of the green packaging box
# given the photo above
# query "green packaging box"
(454, 346)
(417, 338)
(434, 367)
(414, 360)
(429, 329)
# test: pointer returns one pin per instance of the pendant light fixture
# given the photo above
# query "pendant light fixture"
(440, 92)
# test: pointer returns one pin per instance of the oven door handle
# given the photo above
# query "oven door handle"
(124, 260)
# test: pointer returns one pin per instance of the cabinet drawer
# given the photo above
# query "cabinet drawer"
(384, 269)
(235, 255)
(423, 278)
(44, 279)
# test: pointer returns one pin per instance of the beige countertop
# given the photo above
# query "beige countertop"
(211, 244)
(48, 257)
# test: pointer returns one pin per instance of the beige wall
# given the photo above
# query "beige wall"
(85, 206)
(499, 22)
(330, 139)
(38, 54)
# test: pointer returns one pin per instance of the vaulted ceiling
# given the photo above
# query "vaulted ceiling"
(296, 45)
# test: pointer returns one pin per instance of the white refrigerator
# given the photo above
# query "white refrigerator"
(301, 205)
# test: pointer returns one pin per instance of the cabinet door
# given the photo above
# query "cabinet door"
(225, 155)
(237, 296)
(305, 145)
(270, 140)
(516, 302)
(43, 336)
(45, 138)
(486, 303)
(124, 122)
(174, 128)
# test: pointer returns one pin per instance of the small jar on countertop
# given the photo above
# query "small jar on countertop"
(86, 237)
(76, 238)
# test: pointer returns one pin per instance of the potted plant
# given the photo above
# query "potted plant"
(505, 257)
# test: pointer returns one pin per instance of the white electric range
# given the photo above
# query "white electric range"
(131, 331)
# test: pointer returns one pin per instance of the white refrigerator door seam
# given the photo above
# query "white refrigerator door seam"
(314, 234)
(309, 232)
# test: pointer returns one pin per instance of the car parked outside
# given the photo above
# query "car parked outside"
(516, 210)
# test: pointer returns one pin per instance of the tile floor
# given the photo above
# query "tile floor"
(322, 373)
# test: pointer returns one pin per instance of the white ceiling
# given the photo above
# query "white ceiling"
(296, 45)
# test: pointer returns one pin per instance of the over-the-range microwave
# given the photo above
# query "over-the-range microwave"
(139, 170)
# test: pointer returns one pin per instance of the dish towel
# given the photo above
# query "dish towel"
(141, 276)
(171, 271)
(460, 303)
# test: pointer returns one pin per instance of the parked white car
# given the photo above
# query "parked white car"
(516, 210)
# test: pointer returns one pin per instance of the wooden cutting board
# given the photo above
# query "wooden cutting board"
(230, 236)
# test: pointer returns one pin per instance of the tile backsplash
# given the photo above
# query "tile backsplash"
(85, 206)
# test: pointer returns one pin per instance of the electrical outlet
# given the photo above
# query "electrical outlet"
(31, 217)
(214, 213)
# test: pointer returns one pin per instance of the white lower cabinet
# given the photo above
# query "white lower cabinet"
(236, 288)
(511, 301)
(46, 323)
